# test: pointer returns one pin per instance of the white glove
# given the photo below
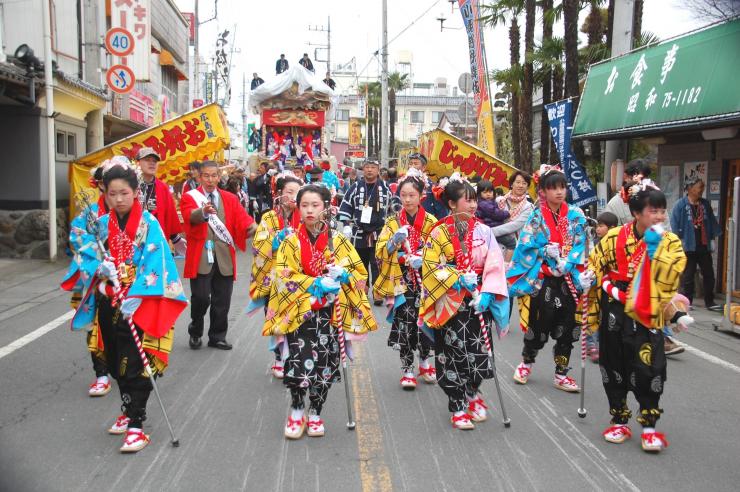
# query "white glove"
(552, 250)
(129, 306)
(108, 270)
(335, 271)
(684, 322)
(330, 285)
(347, 231)
(400, 236)
(586, 279)
(180, 247)
(414, 261)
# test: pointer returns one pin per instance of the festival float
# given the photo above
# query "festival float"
(293, 108)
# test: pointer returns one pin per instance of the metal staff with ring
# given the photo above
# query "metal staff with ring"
(119, 298)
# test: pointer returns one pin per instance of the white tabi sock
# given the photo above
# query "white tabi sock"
(102, 380)
(296, 413)
(648, 430)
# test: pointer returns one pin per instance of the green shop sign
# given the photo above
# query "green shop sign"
(689, 80)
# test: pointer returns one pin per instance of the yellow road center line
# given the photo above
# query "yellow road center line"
(374, 472)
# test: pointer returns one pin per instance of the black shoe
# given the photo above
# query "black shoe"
(195, 343)
(378, 302)
(220, 344)
(715, 307)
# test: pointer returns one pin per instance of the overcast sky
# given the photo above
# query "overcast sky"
(266, 29)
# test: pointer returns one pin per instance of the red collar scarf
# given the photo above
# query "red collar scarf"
(313, 260)
(627, 264)
(416, 231)
(102, 206)
(295, 218)
(558, 232)
(463, 259)
(121, 243)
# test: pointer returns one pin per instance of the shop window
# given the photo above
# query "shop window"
(61, 143)
(66, 144)
(72, 145)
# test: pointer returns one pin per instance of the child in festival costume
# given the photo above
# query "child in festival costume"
(310, 281)
(604, 222)
(79, 225)
(140, 264)
(464, 287)
(636, 269)
(277, 224)
(546, 262)
(399, 252)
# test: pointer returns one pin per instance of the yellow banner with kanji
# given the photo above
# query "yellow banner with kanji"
(447, 154)
(486, 139)
(197, 135)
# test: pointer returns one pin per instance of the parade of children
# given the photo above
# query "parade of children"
(446, 286)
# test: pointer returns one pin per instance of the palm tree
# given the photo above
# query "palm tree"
(498, 13)
(545, 82)
(549, 69)
(525, 123)
(372, 89)
(397, 82)
(571, 9)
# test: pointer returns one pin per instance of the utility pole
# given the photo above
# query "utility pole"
(51, 158)
(196, 75)
(622, 37)
(327, 30)
(244, 115)
(384, 90)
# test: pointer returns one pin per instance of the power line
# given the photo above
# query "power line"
(377, 52)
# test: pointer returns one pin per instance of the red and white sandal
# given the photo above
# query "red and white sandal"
(566, 383)
(278, 371)
(653, 442)
(100, 387)
(120, 426)
(617, 433)
(521, 373)
(428, 374)
(294, 428)
(315, 426)
(135, 441)
(408, 381)
(462, 422)
(477, 410)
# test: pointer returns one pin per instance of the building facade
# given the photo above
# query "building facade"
(86, 114)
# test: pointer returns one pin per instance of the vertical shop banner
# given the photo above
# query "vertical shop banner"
(581, 191)
(355, 134)
(135, 17)
(477, 51)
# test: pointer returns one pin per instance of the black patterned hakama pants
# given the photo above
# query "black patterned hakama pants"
(405, 335)
(312, 365)
(552, 315)
(631, 358)
(461, 358)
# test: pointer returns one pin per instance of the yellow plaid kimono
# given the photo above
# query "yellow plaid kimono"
(665, 268)
(289, 305)
(438, 277)
(390, 279)
(262, 273)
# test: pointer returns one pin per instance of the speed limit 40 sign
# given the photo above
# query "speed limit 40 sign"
(119, 42)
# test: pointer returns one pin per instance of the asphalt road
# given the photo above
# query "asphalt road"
(229, 414)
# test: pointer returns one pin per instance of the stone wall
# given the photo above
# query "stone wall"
(25, 233)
